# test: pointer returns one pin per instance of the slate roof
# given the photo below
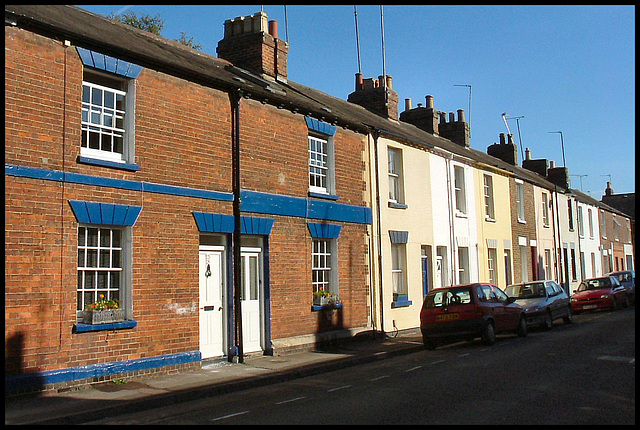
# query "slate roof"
(88, 30)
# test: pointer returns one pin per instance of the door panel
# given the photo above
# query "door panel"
(211, 303)
(251, 296)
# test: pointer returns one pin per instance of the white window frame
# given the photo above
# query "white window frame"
(460, 189)
(488, 198)
(545, 209)
(547, 264)
(321, 164)
(398, 270)
(580, 222)
(323, 275)
(520, 200)
(105, 121)
(590, 215)
(396, 186)
(100, 263)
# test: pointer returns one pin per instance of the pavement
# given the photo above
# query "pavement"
(98, 401)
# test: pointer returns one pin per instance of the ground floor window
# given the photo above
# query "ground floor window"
(321, 266)
(100, 265)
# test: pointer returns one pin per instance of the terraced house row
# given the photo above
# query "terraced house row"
(228, 210)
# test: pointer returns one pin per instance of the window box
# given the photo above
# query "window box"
(105, 316)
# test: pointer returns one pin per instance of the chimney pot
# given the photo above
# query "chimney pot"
(429, 102)
(359, 81)
(407, 104)
(452, 117)
(273, 28)
(502, 139)
(527, 154)
(460, 115)
(552, 164)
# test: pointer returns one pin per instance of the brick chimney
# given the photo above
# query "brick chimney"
(558, 175)
(425, 118)
(251, 43)
(373, 95)
(506, 151)
(539, 166)
(456, 131)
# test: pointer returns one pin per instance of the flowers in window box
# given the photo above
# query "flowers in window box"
(322, 297)
(102, 304)
(103, 312)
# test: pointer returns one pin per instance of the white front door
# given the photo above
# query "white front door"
(250, 295)
(211, 301)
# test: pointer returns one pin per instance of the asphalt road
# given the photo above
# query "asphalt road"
(581, 373)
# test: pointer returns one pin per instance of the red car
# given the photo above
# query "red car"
(469, 311)
(604, 292)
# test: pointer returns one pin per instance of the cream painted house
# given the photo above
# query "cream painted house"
(494, 225)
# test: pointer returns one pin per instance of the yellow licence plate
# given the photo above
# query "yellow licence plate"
(448, 317)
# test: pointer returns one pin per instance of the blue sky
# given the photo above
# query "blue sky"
(560, 68)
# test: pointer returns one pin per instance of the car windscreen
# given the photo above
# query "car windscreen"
(525, 291)
(594, 284)
(448, 297)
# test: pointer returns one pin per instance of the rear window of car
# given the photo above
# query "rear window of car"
(448, 297)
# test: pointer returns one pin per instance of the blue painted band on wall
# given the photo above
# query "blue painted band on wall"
(39, 379)
(324, 231)
(251, 201)
(219, 223)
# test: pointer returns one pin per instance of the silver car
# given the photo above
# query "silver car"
(628, 279)
(543, 301)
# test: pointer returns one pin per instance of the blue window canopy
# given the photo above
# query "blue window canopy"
(320, 126)
(105, 213)
(324, 231)
(219, 223)
(108, 64)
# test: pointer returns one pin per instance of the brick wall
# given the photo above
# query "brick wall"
(183, 138)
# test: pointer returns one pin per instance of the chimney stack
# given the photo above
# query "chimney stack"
(376, 95)
(425, 118)
(456, 131)
(506, 151)
(251, 42)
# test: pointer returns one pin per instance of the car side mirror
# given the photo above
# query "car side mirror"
(510, 300)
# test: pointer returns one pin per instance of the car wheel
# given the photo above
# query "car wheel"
(568, 319)
(429, 344)
(548, 321)
(488, 334)
(522, 326)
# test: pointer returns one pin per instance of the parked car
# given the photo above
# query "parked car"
(469, 311)
(604, 292)
(628, 279)
(543, 302)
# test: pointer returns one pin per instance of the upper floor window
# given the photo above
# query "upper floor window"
(460, 191)
(590, 216)
(318, 165)
(520, 200)
(580, 222)
(103, 118)
(108, 100)
(321, 157)
(488, 198)
(545, 209)
(570, 214)
(396, 188)
(603, 224)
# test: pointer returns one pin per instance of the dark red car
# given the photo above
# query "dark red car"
(469, 311)
(604, 292)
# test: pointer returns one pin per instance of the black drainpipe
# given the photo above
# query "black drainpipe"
(235, 98)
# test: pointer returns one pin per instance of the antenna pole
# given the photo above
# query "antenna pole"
(286, 25)
(355, 12)
(469, 116)
(384, 69)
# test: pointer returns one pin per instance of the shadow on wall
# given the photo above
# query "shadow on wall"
(16, 381)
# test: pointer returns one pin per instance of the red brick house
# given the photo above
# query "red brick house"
(133, 168)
